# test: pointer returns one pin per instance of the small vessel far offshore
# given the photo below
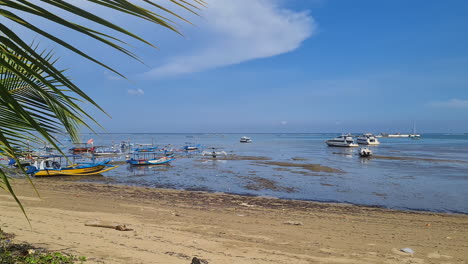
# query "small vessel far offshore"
(245, 140)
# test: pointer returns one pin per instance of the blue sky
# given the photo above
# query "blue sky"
(286, 66)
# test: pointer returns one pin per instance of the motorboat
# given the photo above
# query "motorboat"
(342, 141)
(365, 152)
(245, 140)
(367, 139)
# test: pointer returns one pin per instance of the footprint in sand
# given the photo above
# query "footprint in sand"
(327, 250)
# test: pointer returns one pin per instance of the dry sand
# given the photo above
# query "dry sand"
(174, 226)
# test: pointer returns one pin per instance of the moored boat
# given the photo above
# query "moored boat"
(367, 139)
(342, 141)
(81, 148)
(52, 167)
(107, 151)
(149, 158)
(365, 152)
(245, 140)
(191, 146)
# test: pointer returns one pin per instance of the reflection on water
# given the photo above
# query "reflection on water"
(429, 174)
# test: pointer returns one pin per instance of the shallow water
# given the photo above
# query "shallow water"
(427, 174)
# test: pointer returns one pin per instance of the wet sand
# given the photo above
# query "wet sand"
(172, 226)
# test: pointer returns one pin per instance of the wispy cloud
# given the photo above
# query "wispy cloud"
(453, 103)
(238, 31)
(136, 92)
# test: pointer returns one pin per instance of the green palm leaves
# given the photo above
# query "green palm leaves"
(36, 99)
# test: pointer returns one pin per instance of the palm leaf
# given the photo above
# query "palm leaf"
(36, 99)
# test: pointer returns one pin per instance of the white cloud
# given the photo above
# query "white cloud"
(136, 92)
(454, 103)
(284, 123)
(237, 31)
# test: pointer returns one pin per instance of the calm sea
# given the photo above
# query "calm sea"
(427, 174)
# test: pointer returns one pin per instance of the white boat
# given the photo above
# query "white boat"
(395, 135)
(413, 135)
(342, 141)
(106, 151)
(368, 139)
(245, 140)
(365, 152)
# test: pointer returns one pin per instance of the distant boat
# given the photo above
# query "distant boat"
(413, 135)
(342, 141)
(80, 148)
(245, 140)
(106, 151)
(145, 148)
(191, 146)
(368, 139)
(394, 135)
(148, 158)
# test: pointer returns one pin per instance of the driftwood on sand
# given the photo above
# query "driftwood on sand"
(106, 224)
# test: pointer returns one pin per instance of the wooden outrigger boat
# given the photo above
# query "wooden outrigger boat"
(50, 167)
(149, 158)
(80, 148)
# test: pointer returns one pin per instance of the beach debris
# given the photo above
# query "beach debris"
(407, 250)
(104, 224)
(179, 255)
(196, 260)
(297, 223)
(246, 205)
(174, 213)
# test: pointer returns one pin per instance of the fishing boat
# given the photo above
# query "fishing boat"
(80, 148)
(191, 146)
(367, 139)
(145, 148)
(106, 151)
(148, 158)
(52, 167)
(245, 140)
(342, 141)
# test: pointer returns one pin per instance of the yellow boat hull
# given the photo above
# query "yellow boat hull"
(78, 171)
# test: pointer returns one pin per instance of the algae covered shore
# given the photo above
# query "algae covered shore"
(171, 226)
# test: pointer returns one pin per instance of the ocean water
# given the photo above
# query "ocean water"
(427, 174)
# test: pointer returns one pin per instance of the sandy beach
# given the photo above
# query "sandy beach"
(171, 226)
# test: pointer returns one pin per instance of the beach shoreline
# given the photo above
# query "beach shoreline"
(172, 226)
